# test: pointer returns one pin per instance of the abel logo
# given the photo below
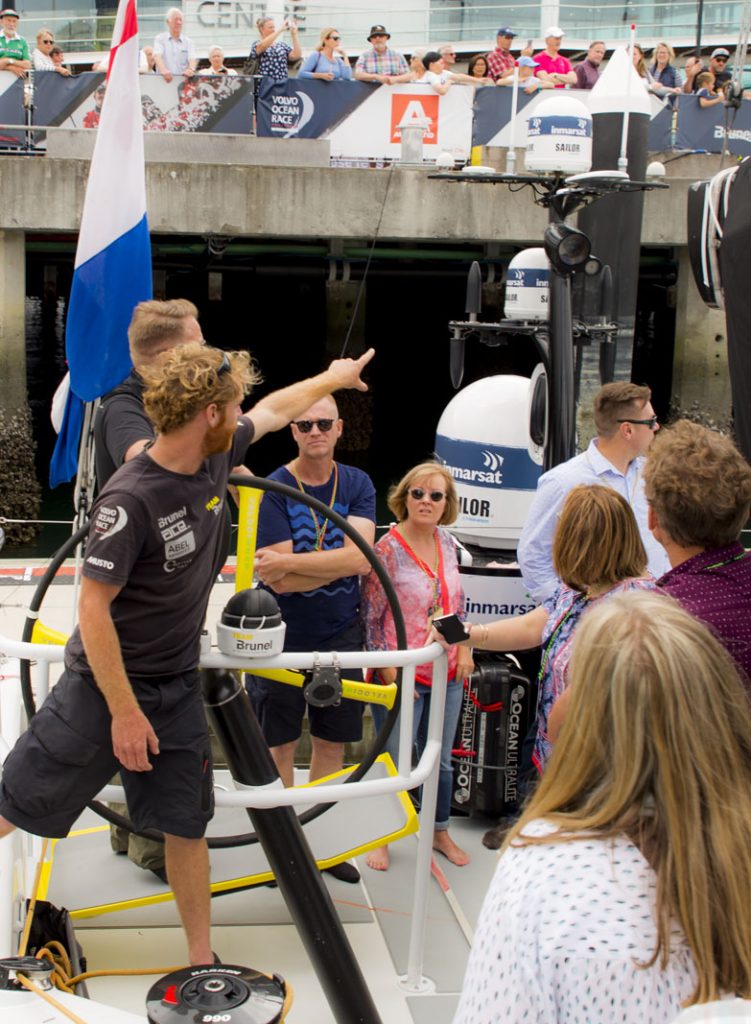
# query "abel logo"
(406, 108)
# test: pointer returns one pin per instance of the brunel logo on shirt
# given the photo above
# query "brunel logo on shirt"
(179, 539)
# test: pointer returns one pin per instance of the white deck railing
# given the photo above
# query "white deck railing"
(424, 774)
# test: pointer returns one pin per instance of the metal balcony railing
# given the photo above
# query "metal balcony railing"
(470, 24)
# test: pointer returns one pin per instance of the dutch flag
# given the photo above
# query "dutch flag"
(112, 271)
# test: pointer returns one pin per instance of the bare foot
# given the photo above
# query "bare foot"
(378, 859)
(443, 842)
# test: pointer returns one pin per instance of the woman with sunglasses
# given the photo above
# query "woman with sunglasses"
(597, 552)
(328, 61)
(40, 57)
(420, 558)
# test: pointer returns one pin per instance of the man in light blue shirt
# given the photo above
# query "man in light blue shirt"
(174, 53)
(626, 424)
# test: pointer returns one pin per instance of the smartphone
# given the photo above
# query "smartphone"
(529, 44)
(451, 628)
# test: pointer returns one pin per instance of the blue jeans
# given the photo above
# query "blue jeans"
(454, 692)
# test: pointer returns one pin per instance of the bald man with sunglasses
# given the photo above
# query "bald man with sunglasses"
(314, 569)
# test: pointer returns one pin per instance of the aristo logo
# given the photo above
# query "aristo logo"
(406, 108)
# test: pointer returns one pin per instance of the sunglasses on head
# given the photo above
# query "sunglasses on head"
(305, 426)
(225, 366)
(418, 493)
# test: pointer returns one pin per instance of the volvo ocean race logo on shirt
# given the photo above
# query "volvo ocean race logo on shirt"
(110, 521)
(289, 114)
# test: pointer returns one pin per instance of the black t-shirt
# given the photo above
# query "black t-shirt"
(120, 421)
(157, 534)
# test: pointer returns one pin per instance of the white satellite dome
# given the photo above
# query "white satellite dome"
(559, 136)
(527, 286)
(483, 439)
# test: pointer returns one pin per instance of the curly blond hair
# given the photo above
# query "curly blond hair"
(188, 378)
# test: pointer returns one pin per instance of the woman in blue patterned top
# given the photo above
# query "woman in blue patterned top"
(325, 62)
(597, 552)
(274, 56)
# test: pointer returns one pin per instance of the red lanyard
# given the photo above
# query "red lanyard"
(436, 576)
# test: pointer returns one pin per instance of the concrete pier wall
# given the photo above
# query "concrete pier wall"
(245, 190)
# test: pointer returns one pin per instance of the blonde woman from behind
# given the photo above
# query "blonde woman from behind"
(622, 892)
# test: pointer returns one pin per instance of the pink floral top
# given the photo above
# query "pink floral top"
(422, 594)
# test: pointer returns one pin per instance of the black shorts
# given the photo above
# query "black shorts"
(280, 708)
(65, 757)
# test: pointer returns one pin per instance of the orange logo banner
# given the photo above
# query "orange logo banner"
(406, 108)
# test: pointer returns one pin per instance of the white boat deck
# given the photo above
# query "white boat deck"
(254, 927)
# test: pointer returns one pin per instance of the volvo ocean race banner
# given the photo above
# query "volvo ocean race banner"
(362, 121)
(204, 103)
(304, 108)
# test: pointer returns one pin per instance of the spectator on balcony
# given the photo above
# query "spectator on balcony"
(640, 64)
(146, 61)
(668, 79)
(552, 67)
(427, 68)
(527, 78)
(174, 53)
(501, 60)
(718, 65)
(40, 57)
(706, 90)
(273, 55)
(448, 53)
(416, 69)
(478, 68)
(589, 70)
(14, 50)
(58, 59)
(328, 61)
(435, 73)
(380, 63)
(216, 63)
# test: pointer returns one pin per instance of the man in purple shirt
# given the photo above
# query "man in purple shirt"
(588, 71)
(698, 486)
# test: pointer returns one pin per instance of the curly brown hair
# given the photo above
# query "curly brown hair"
(397, 498)
(186, 379)
(618, 400)
(698, 484)
(155, 323)
(597, 541)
